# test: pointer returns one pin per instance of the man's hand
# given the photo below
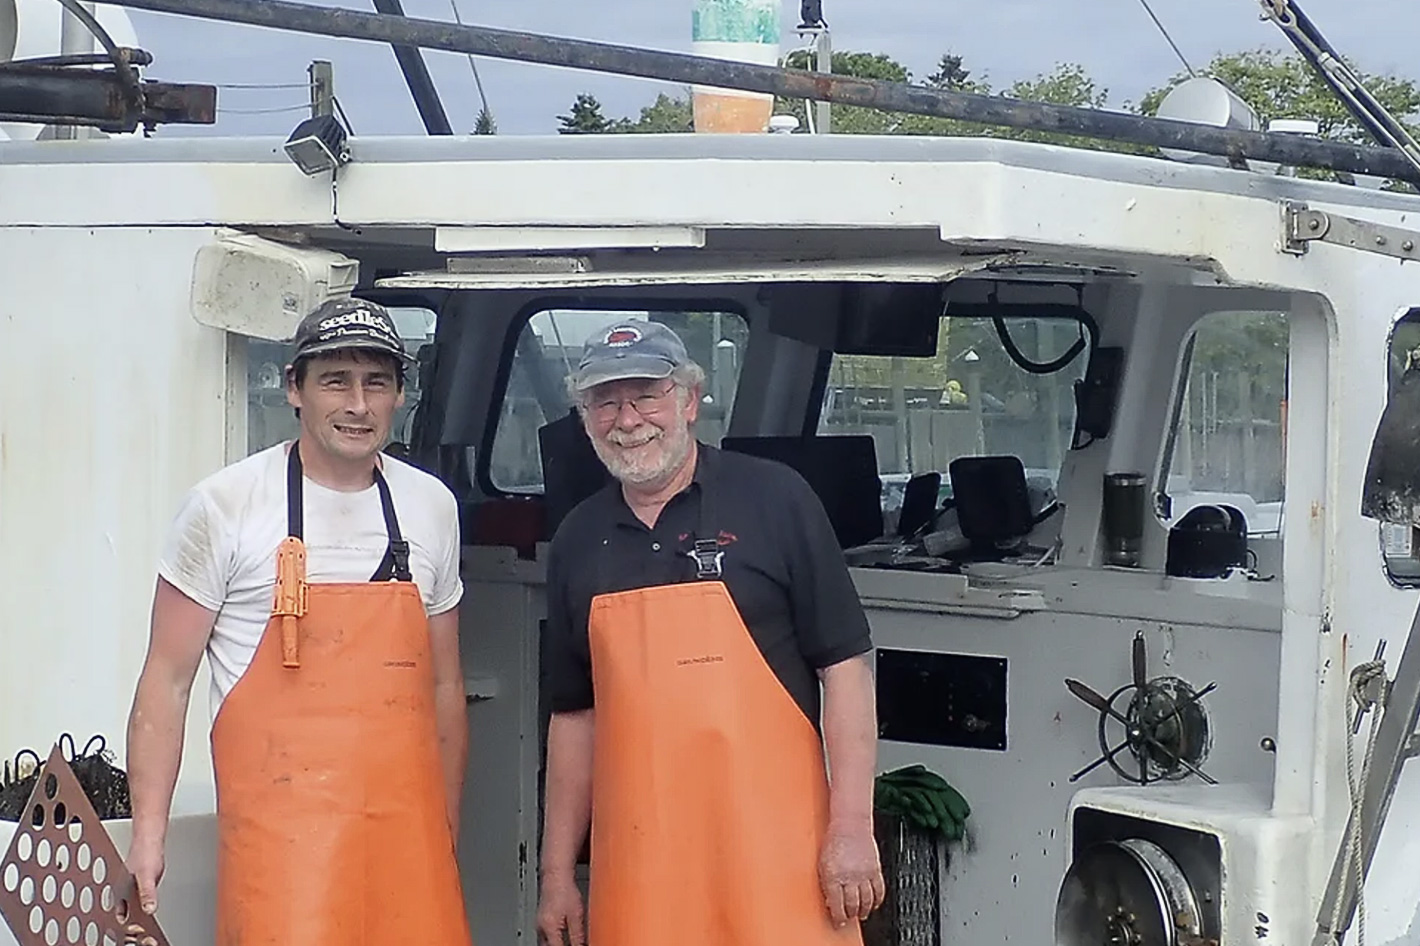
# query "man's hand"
(145, 863)
(566, 818)
(849, 870)
(559, 911)
(851, 874)
(179, 635)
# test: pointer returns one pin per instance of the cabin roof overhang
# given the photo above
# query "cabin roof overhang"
(855, 202)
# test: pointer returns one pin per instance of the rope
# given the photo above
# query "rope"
(1367, 691)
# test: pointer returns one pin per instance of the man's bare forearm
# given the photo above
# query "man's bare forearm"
(851, 738)
(569, 791)
(155, 736)
(451, 719)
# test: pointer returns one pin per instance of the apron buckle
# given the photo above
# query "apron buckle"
(708, 557)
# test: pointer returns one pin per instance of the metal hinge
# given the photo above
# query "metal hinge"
(1301, 226)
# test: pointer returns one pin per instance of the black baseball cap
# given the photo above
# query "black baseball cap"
(348, 323)
(632, 349)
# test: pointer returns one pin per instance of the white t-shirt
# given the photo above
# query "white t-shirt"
(221, 549)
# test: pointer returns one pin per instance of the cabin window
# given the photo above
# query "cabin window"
(970, 399)
(1226, 443)
(270, 419)
(547, 349)
(1400, 544)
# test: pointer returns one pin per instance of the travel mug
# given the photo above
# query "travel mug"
(1123, 518)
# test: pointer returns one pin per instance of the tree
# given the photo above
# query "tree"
(852, 119)
(950, 75)
(586, 118)
(1066, 84)
(667, 115)
(1286, 86)
(485, 125)
(1276, 85)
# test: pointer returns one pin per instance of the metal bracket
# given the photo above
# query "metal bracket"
(1301, 226)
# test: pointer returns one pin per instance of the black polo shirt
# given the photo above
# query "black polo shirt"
(782, 566)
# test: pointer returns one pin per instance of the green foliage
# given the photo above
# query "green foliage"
(667, 115)
(1276, 84)
(1279, 86)
(1228, 344)
(586, 118)
(1286, 86)
(484, 124)
(850, 119)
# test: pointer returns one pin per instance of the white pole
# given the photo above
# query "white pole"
(74, 40)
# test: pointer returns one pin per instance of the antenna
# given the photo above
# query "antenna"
(1344, 82)
(1176, 51)
(473, 65)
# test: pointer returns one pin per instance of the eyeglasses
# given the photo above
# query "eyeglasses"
(604, 409)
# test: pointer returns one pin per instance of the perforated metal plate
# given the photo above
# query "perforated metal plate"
(62, 881)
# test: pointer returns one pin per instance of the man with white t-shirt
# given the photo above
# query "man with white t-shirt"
(321, 578)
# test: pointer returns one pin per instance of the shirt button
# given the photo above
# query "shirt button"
(655, 546)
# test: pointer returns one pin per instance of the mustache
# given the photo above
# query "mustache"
(635, 439)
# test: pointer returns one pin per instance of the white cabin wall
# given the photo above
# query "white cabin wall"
(112, 407)
(1363, 607)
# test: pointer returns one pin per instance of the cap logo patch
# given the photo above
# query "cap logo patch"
(358, 317)
(622, 337)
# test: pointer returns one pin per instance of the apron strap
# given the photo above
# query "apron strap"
(706, 553)
(395, 564)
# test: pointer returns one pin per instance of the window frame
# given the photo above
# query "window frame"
(482, 471)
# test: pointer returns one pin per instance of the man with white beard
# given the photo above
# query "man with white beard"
(704, 646)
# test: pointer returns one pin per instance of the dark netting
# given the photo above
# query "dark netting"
(105, 784)
(913, 862)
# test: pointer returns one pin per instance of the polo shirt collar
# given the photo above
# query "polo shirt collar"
(707, 462)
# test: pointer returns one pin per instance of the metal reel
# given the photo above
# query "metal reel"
(1127, 893)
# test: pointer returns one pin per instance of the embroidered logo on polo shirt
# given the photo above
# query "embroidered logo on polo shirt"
(722, 540)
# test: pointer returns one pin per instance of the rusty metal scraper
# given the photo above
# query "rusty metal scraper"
(63, 882)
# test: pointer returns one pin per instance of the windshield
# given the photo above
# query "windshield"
(971, 398)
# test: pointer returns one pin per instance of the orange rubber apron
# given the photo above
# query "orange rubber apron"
(332, 824)
(710, 800)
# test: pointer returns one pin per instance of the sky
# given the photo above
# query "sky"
(1000, 40)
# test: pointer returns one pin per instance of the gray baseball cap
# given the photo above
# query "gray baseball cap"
(626, 350)
(349, 323)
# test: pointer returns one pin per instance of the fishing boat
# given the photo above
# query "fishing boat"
(1094, 431)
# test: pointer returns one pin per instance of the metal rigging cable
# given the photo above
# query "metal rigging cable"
(1176, 51)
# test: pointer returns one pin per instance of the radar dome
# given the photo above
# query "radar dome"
(1206, 101)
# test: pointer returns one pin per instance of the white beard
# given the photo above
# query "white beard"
(658, 452)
